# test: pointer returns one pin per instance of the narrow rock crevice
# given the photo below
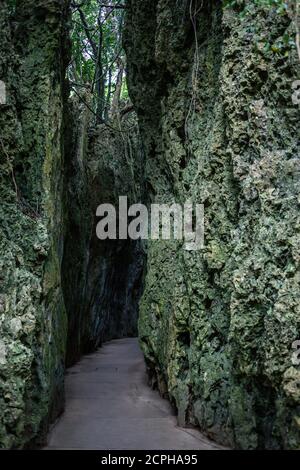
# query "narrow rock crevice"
(212, 121)
(102, 280)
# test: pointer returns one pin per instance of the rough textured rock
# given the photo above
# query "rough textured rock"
(62, 291)
(32, 313)
(212, 89)
(102, 279)
(213, 96)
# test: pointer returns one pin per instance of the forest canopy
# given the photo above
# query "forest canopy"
(98, 59)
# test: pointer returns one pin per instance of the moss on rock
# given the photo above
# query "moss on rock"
(32, 312)
(219, 127)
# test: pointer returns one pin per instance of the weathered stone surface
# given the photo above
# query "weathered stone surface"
(213, 93)
(213, 96)
(32, 313)
(55, 274)
(102, 279)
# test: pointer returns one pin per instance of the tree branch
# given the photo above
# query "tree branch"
(122, 7)
(87, 32)
(126, 110)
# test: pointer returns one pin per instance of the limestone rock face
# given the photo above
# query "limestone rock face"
(213, 92)
(62, 291)
(32, 313)
(102, 279)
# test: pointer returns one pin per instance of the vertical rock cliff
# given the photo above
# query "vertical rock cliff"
(102, 279)
(62, 291)
(212, 88)
(211, 83)
(32, 313)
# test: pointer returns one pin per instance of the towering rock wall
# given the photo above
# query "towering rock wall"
(32, 313)
(62, 291)
(102, 279)
(212, 89)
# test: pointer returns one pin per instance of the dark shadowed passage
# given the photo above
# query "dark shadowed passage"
(160, 102)
(110, 406)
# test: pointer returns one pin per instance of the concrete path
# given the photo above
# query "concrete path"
(109, 406)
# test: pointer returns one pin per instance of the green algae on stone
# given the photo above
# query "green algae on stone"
(219, 127)
(32, 313)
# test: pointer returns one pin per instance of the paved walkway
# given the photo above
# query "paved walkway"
(109, 406)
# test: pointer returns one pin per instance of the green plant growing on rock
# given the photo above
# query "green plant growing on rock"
(280, 5)
(290, 8)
